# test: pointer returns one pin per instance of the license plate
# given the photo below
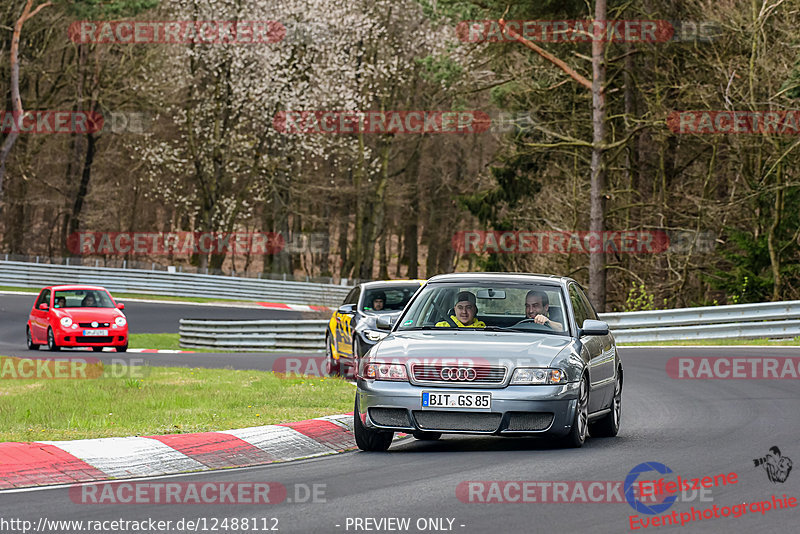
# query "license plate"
(472, 401)
(95, 332)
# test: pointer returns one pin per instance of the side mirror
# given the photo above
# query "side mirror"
(347, 309)
(592, 327)
(385, 322)
(44, 306)
(120, 306)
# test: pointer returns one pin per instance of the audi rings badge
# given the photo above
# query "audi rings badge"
(458, 374)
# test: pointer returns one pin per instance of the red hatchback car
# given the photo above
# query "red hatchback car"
(77, 316)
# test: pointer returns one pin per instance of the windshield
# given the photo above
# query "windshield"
(388, 298)
(82, 298)
(522, 307)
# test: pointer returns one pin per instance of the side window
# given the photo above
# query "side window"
(352, 297)
(44, 298)
(577, 305)
(590, 313)
(349, 298)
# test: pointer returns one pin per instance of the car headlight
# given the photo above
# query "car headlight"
(120, 321)
(66, 322)
(537, 375)
(385, 371)
(375, 335)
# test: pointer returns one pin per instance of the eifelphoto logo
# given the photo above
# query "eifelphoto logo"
(191, 493)
(733, 368)
(777, 466)
(786, 122)
(667, 490)
(71, 368)
(177, 32)
(584, 31)
(381, 122)
(49, 122)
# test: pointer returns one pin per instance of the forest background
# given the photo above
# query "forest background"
(190, 143)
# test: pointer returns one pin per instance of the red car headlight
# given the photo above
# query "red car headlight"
(66, 322)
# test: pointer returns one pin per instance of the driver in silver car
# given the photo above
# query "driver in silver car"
(537, 307)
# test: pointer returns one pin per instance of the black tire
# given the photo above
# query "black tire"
(426, 436)
(31, 344)
(368, 439)
(51, 341)
(122, 348)
(97, 349)
(580, 423)
(331, 364)
(608, 425)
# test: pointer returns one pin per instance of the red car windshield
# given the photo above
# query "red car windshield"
(82, 298)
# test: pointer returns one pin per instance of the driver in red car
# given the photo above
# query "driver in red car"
(537, 307)
(89, 301)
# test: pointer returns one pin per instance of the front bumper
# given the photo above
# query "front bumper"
(73, 338)
(515, 410)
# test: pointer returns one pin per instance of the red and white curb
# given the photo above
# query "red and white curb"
(63, 462)
(293, 307)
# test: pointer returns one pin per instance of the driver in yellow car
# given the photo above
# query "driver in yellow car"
(465, 311)
(537, 307)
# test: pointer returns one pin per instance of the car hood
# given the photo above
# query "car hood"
(95, 314)
(513, 349)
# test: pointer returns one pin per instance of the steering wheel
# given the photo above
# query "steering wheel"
(534, 322)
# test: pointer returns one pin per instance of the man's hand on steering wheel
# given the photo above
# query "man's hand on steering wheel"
(539, 319)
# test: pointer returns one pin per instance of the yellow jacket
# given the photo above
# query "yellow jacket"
(475, 323)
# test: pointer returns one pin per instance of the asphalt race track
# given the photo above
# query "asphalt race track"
(144, 318)
(697, 428)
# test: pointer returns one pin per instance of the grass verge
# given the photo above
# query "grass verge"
(161, 342)
(160, 400)
(712, 342)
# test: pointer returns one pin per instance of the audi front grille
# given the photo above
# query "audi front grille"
(458, 374)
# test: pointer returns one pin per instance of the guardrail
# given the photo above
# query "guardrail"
(258, 335)
(771, 320)
(745, 321)
(33, 275)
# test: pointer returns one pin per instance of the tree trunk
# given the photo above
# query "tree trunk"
(597, 267)
(83, 187)
(16, 101)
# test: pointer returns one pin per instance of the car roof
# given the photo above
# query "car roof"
(500, 277)
(71, 287)
(389, 283)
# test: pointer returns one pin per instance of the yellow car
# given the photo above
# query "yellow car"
(352, 330)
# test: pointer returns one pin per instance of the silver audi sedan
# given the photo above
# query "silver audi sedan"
(491, 353)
